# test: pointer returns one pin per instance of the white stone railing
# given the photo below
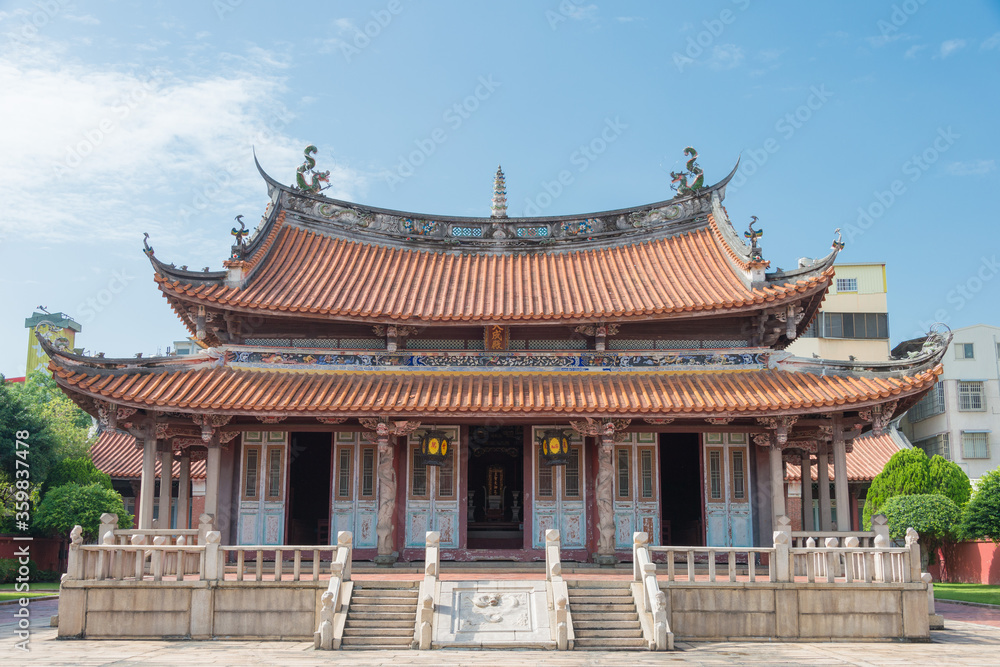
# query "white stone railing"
(654, 601)
(109, 524)
(852, 563)
(557, 591)
(161, 561)
(423, 632)
(328, 633)
(690, 557)
(283, 555)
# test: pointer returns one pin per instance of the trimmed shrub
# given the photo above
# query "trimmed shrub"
(932, 515)
(948, 479)
(981, 519)
(72, 504)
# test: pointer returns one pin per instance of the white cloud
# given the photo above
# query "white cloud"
(914, 50)
(990, 43)
(103, 154)
(85, 19)
(726, 56)
(950, 46)
(971, 167)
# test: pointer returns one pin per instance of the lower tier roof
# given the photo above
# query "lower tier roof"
(227, 390)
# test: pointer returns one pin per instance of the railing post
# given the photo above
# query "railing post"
(913, 542)
(345, 540)
(140, 557)
(935, 621)
(553, 555)
(213, 566)
(109, 522)
(562, 623)
(881, 543)
(782, 555)
(156, 560)
(204, 527)
(852, 561)
(639, 543)
(74, 562)
(880, 526)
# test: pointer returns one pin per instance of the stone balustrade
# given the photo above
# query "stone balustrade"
(328, 633)
(561, 622)
(651, 601)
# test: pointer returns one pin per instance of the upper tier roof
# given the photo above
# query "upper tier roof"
(324, 259)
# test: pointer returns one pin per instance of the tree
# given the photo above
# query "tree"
(72, 504)
(948, 479)
(932, 515)
(981, 519)
(81, 471)
(71, 426)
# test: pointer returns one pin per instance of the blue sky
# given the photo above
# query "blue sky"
(124, 117)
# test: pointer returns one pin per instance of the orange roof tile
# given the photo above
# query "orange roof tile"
(117, 455)
(310, 273)
(870, 454)
(240, 391)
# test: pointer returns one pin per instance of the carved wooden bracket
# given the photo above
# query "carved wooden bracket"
(879, 415)
(780, 425)
(719, 421)
(604, 428)
(383, 427)
(658, 421)
(272, 420)
(331, 420)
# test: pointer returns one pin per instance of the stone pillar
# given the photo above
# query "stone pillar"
(822, 458)
(805, 465)
(384, 527)
(184, 490)
(212, 466)
(147, 484)
(840, 478)
(777, 483)
(605, 501)
(166, 483)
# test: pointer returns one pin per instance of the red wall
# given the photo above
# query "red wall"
(968, 563)
(43, 550)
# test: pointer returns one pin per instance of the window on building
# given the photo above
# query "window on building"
(811, 330)
(624, 473)
(275, 473)
(930, 405)
(344, 472)
(572, 472)
(251, 465)
(937, 444)
(975, 444)
(545, 482)
(739, 486)
(715, 474)
(646, 471)
(970, 396)
(446, 477)
(367, 472)
(855, 325)
(847, 284)
(965, 351)
(418, 476)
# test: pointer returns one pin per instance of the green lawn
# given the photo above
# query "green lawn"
(967, 593)
(7, 591)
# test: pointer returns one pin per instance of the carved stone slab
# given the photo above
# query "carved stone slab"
(492, 613)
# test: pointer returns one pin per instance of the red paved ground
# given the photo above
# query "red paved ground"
(968, 613)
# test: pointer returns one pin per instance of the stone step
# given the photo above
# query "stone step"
(376, 608)
(386, 592)
(395, 585)
(378, 631)
(384, 599)
(380, 617)
(577, 584)
(599, 599)
(602, 624)
(598, 616)
(591, 607)
(375, 643)
(380, 622)
(610, 644)
(631, 633)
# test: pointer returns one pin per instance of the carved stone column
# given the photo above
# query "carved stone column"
(777, 483)
(606, 430)
(840, 476)
(823, 476)
(166, 483)
(148, 483)
(805, 465)
(385, 523)
(213, 459)
(184, 490)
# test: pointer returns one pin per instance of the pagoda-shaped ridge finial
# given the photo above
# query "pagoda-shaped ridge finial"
(499, 207)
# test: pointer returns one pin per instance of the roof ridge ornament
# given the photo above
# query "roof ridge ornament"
(240, 246)
(838, 243)
(498, 207)
(146, 248)
(312, 186)
(679, 180)
(756, 252)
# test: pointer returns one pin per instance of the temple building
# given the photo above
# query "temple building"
(489, 378)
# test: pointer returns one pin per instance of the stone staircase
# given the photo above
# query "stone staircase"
(381, 615)
(604, 616)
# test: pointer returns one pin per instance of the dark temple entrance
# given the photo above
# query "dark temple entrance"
(680, 485)
(309, 488)
(495, 517)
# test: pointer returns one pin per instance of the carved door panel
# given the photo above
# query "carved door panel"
(636, 482)
(559, 493)
(354, 506)
(432, 495)
(262, 488)
(727, 490)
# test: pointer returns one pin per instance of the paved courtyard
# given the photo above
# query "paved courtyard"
(972, 641)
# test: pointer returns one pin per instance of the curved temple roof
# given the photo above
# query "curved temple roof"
(321, 258)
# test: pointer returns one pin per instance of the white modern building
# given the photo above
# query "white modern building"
(853, 322)
(960, 417)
